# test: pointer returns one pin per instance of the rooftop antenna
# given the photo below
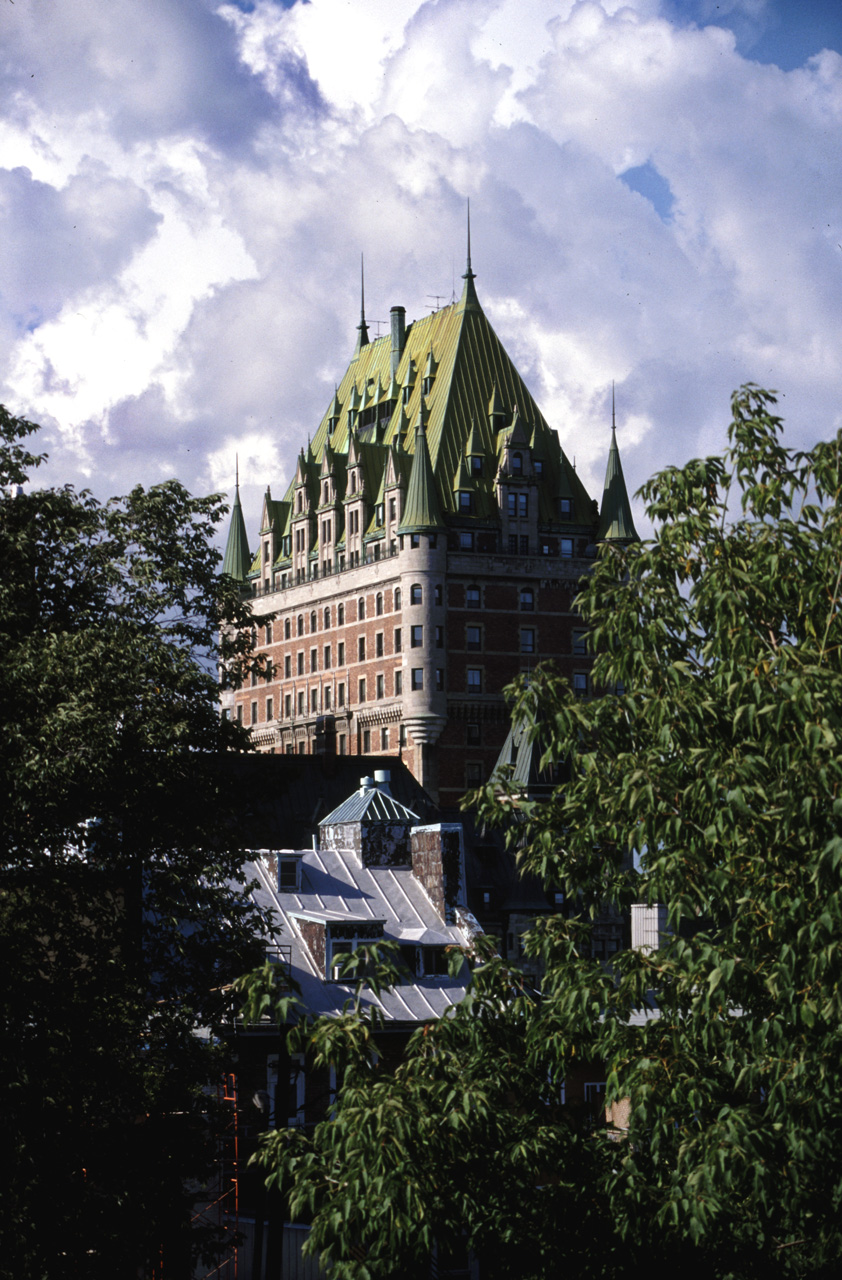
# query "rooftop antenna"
(438, 297)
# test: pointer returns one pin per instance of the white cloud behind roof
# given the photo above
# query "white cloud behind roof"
(185, 189)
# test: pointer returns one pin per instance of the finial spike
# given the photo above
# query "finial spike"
(362, 327)
(613, 420)
(469, 233)
(237, 472)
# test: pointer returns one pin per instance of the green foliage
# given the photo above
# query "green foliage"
(706, 777)
(122, 915)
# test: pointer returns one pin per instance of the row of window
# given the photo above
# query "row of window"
(416, 596)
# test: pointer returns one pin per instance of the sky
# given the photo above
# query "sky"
(186, 188)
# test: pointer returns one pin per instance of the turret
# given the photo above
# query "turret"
(615, 521)
(237, 562)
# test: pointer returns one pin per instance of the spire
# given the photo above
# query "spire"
(469, 300)
(362, 327)
(237, 562)
(422, 511)
(615, 522)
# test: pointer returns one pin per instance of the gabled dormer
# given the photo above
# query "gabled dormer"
(408, 386)
(430, 371)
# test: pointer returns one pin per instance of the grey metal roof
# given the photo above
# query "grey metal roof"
(335, 888)
(370, 804)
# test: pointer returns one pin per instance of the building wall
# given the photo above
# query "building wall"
(478, 632)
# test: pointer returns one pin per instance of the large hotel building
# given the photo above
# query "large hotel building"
(428, 549)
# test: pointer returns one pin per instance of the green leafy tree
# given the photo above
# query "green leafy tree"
(122, 912)
(707, 777)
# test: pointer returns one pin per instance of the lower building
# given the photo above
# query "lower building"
(428, 550)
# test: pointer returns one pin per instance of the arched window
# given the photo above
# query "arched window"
(340, 615)
(287, 629)
(378, 604)
(327, 618)
(353, 482)
(397, 603)
(300, 502)
(301, 624)
(325, 492)
(361, 608)
(312, 622)
(517, 464)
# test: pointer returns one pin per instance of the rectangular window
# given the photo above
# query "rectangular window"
(381, 686)
(472, 735)
(326, 696)
(466, 502)
(314, 700)
(301, 703)
(314, 662)
(340, 656)
(566, 508)
(439, 678)
(511, 503)
(240, 713)
(523, 505)
(268, 632)
(398, 683)
(270, 709)
(415, 594)
(417, 677)
(287, 706)
(466, 541)
(416, 637)
(301, 663)
(402, 735)
(527, 640)
(378, 644)
(565, 548)
(361, 690)
(524, 544)
(527, 600)
(341, 744)
(473, 775)
(397, 639)
(512, 544)
(287, 667)
(580, 683)
(340, 694)
(473, 639)
(254, 713)
(439, 594)
(439, 637)
(393, 511)
(580, 642)
(367, 741)
(474, 680)
(327, 657)
(361, 648)
(472, 598)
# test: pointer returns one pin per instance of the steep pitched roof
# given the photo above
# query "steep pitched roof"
(422, 509)
(615, 522)
(237, 562)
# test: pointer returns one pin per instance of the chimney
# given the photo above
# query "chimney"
(397, 315)
(382, 781)
(438, 863)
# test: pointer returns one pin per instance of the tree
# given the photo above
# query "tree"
(706, 776)
(122, 912)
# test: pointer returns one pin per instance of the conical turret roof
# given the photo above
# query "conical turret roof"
(237, 562)
(422, 509)
(615, 520)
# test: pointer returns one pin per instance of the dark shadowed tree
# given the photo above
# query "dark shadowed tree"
(707, 777)
(122, 912)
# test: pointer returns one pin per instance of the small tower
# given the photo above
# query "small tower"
(615, 521)
(237, 562)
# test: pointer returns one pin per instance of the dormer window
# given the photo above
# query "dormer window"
(538, 467)
(353, 482)
(326, 492)
(566, 508)
(300, 502)
(380, 515)
(466, 502)
(289, 873)
(517, 464)
(476, 465)
(427, 386)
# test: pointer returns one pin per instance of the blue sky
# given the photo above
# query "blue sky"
(186, 187)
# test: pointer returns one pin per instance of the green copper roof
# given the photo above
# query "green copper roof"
(422, 510)
(237, 560)
(615, 522)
